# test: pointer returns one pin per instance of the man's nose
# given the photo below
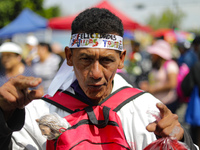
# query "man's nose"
(96, 70)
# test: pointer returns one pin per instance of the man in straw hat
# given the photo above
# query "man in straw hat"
(92, 59)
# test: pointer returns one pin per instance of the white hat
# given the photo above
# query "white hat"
(10, 47)
(32, 40)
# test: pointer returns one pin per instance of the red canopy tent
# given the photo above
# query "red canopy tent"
(161, 32)
(65, 22)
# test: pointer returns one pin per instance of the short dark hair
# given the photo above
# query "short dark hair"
(96, 20)
(47, 45)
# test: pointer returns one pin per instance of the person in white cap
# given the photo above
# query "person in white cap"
(89, 72)
(32, 43)
(12, 64)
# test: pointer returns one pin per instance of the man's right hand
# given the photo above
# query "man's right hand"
(15, 93)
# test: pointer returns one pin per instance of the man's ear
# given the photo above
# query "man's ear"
(68, 55)
(122, 58)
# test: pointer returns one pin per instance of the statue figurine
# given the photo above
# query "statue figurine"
(52, 125)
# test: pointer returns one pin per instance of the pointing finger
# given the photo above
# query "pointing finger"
(164, 111)
(23, 82)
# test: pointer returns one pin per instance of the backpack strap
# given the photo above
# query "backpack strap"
(121, 97)
(72, 103)
(66, 101)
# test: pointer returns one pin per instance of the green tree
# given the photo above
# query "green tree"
(10, 9)
(168, 19)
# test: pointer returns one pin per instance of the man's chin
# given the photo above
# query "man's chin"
(96, 98)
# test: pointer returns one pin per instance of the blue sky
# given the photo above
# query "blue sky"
(190, 7)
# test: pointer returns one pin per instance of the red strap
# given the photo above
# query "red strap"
(67, 101)
(72, 103)
(120, 97)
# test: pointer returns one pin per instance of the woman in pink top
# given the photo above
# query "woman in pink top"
(162, 80)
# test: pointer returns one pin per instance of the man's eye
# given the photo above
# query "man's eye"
(85, 58)
(106, 60)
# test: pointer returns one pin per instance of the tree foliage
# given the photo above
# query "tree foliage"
(168, 19)
(10, 9)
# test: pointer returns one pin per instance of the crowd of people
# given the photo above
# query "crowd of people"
(90, 72)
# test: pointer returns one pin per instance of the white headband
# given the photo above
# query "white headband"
(96, 40)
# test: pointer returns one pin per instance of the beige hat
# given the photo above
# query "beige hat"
(10, 47)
